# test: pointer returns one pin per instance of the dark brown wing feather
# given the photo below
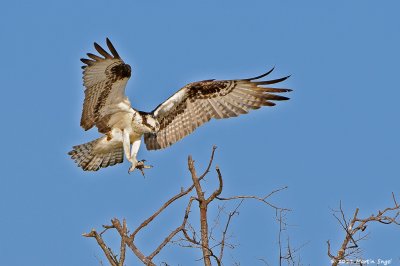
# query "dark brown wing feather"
(198, 102)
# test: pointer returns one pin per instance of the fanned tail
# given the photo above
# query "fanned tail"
(90, 160)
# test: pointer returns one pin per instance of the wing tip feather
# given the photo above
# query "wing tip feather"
(87, 61)
(95, 58)
(102, 51)
(272, 81)
(262, 75)
(112, 48)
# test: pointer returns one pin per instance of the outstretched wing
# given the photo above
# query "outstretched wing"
(105, 80)
(198, 102)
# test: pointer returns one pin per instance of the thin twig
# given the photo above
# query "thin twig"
(262, 199)
(231, 214)
(359, 225)
(173, 233)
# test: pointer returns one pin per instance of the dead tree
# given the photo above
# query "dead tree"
(354, 229)
(184, 235)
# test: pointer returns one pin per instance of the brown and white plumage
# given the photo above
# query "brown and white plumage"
(107, 107)
(198, 102)
(90, 159)
(105, 81)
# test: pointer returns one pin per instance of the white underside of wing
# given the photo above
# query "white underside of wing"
(175, 99)
(123, 106)
(118, 107)
(117, 93)
(97, 72)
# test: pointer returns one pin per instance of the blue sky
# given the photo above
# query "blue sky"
(336, 139)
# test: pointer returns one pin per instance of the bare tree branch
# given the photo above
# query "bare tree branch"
(130, 243)
(355, 225)
(173, 233)
(188, 232)
(203, 204)
(174, 198)
(262, 199)
(123, 245)
(231, 214)
(107, 251)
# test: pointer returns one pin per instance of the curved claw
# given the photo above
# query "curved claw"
(131, 169)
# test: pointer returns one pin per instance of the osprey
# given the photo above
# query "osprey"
(107, 107)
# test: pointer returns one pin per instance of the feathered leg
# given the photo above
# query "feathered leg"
(131, 153)
(135, 148)
(126, 143)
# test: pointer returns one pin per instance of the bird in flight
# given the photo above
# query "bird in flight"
(108, 108)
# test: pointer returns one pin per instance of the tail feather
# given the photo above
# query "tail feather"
(119, 155)
(94, 164)
(88, 159)
(112, 160)
(106, 160)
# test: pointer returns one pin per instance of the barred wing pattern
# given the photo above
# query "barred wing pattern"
(198, 102)
(86, 156)
(105, 80)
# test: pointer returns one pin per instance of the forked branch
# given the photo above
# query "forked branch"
(185, 227)
(350, 245)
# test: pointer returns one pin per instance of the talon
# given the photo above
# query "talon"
(140, 166)
(141, 170)
(131, 169)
